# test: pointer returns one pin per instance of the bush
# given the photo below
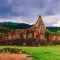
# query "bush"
(12, 50)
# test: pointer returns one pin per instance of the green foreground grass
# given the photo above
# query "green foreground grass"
(42, 52)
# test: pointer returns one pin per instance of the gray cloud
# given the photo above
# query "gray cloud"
(29, 9)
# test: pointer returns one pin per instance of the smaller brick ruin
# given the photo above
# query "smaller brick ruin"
(53, 37)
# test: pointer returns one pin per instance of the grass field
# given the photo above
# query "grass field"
(42, 52)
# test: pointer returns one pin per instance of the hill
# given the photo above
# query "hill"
(54, 29)
(12, 25)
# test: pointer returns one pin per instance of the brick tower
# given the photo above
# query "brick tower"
(41, 28)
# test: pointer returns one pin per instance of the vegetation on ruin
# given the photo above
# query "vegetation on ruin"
(42, 52)
(56, 32)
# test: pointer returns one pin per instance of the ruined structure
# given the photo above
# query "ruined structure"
(34, 35)
(53, 37)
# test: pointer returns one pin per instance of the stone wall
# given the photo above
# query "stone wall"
(53, 37)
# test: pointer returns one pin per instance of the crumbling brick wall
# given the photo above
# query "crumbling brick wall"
(53, 37)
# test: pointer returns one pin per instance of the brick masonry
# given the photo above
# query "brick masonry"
(53, 37)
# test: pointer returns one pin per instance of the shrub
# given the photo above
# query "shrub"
(12, 50)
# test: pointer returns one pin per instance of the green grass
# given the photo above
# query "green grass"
(42, 52)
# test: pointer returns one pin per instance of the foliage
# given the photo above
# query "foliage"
(4, 29)
(12, 25)
(53, 29)
(47, 31)
(11, 50)
(58, 32)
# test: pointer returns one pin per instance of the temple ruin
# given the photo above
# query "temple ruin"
(30, 36)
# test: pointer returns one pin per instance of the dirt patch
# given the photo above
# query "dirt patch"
(8, 56)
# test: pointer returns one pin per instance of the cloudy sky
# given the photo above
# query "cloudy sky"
(27, 11)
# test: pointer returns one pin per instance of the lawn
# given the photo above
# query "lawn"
(42, 52)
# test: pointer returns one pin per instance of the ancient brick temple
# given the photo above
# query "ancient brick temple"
(30, 36)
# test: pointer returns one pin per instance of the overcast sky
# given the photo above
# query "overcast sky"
(27, 11)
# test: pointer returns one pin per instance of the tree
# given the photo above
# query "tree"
(47, 31)
(58, 32)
